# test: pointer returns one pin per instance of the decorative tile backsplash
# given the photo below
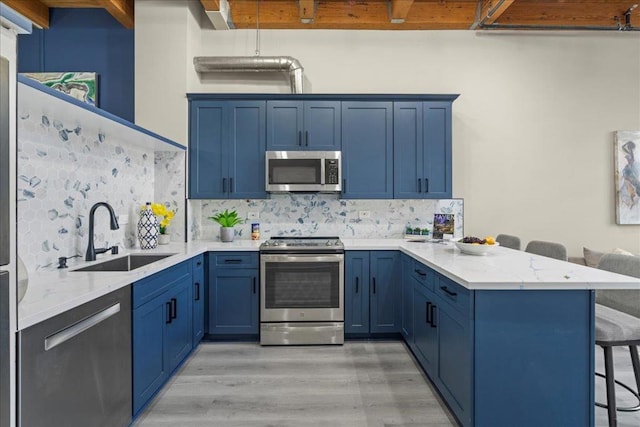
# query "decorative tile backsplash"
(323, 214)
(170, 189)
(64, 168)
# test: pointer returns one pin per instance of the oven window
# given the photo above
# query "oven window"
(302, 285)
(294, 171)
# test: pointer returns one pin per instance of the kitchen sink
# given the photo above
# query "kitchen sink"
(126, 263)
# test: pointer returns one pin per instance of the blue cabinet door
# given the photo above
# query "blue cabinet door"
(322, 125)
(454, 365)
(208, 161)
(408, 148)
(149, 367)
(437, 149)
(367, 150)
(425, 332)
(246, 147)
(198, 294)
(233, 301)
(407, 298)
(356, 292)
(285, 125)
(180, 328)
(303, 125)
(386, 287)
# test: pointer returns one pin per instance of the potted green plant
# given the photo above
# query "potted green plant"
(227, 221)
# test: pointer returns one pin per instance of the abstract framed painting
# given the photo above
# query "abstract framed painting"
(627, 176)
(81, 85)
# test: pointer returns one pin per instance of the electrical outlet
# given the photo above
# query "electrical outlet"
(364, 214)
(123, 219)
(253, 215)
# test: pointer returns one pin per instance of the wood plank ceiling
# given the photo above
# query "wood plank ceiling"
(385, 14)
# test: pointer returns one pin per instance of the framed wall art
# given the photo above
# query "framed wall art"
(627, 176)
(80, 85)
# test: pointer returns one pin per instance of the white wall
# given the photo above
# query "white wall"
(532, 129)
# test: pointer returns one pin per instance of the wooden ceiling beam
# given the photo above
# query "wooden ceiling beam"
(354, 15)
(399, 10)
(34, 10)
(122, 10)
(307, 10)
(567, 13)
(210, 5)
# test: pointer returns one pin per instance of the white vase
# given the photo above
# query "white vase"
(227, 234)
(148, 229)
(164, 239)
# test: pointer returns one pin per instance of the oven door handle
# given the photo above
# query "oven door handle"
(302, 258)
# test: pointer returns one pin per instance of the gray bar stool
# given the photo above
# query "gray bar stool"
(508, 241)
(548, 249)
(617, 328)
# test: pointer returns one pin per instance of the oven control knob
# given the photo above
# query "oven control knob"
(276, 244)
(329, 243)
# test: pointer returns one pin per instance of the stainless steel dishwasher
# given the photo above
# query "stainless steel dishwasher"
(75, 369)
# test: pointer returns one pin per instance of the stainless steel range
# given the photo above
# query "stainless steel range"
(302, 291)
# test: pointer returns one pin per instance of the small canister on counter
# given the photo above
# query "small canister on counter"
(255, 231)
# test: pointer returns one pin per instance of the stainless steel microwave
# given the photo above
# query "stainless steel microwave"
(305, 171)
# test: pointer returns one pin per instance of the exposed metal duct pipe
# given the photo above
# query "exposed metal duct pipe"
(233, 64)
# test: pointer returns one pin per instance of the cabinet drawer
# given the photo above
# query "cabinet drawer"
(423, 274)
(456, 295)
(233, 259)
(150, 287)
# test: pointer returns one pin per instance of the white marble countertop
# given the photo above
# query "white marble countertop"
(53, 291)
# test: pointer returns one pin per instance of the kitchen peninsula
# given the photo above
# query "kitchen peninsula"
(515, 329)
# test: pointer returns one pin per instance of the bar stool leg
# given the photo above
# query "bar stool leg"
(611, 391)
(635, 362)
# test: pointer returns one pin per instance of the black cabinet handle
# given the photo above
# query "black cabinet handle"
(306, 138)
(344, 185)
(300, 138)
(232, 261)
(174, 305)
(373, 280)
(230, 185)
(450, 293)
(254, 285)
(427, 310)
(197, 298)
(426, 185)
(224, 185)
(199, 263)
(168, 305)
(433, 316)
(357, 283)
(419, 185)
(420, 272)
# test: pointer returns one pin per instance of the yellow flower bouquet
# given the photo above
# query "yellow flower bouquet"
(165, 216)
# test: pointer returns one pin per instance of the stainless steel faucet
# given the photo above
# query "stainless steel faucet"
(91, 251)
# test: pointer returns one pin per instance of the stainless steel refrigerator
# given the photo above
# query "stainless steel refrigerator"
(8, 304)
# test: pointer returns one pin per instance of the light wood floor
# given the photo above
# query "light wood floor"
(358, 384)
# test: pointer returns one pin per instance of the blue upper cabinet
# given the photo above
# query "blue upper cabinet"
(422, 150)
(303, 125)
(226, 149)
(367, 150)
(207, 157)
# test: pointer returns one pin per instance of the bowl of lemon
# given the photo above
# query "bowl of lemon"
(475, 246)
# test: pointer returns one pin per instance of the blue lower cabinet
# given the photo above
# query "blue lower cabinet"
(372, 292)
(198, 295)
(356, 292)
(406, 309)
(233, 303)
(162, 329)
(425, 332)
